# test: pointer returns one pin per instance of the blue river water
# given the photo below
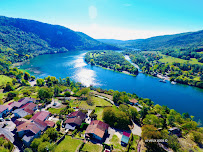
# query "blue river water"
(182, 98)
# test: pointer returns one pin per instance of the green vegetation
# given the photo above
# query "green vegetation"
(34, 34)
(68, 144)
(99, 112)
(4, 79)
(110, 59)
(115, 141)
(5, 145)
(90, 147)
(175, 68)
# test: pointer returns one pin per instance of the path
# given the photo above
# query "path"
(136, 129)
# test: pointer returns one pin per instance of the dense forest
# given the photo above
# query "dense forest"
(29, 36)
(190, 39)
(110, 59)
(185, 73)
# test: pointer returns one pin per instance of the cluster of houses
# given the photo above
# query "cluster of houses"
(26, 129)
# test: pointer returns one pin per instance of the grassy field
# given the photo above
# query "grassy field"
(170, 60)
(97, 102)
(4, 79)
(117, 144)
(99, 112)
(90, 147)
(54, 110)
(68, 144)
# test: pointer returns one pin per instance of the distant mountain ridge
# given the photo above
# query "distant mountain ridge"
(189, 39)
(26, 35)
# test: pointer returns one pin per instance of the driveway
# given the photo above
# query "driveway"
(136, 130)
(111, 132)
(88, 119)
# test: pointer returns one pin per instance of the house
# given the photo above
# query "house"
(134, 102)
(3, 111)
(21, 102)
(175, 131)
(42, 115)
(29, 107)
(97, 130)
(9, 108)
(20, 121)
(28, 131)
(72, 123)
(49, 123)
(159, 115)
(20, 113)
(77, 114)
(41, 124)
(125, 139)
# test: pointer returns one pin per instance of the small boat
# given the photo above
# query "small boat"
(173, 82)
(164, 81)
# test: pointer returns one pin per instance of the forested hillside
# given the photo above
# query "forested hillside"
(29, 36)
(190, 39)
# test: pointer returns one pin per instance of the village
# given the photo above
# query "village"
(79, 129)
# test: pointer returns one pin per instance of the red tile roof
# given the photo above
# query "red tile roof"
(77, 121)
(42, 115)
(29, 106)
(29, 125)
(133, 101)
(97, 127)
(50, 123)
(41, 124)
(2, 108)
(29, 111)
(79, 114)
(20, 121)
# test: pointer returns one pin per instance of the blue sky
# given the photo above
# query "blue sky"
(117, 19)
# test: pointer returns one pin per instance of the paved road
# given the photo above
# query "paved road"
(136, 130)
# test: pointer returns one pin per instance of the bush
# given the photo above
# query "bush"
(28, 117)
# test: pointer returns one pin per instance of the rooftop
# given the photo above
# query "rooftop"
(42, 115)
(77, 121)
(133, 101)
(97, 127)
(3, 108)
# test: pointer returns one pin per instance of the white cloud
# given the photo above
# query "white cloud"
(92, 12)
(103, 32)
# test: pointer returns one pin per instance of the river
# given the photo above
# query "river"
(182, 98)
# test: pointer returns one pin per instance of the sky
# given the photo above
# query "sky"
(112, 19)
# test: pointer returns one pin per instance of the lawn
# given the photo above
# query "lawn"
(90, 147)
(4, 79)
(115, 141)
(54, 110)
(97, 102)
(99, 112)
(170, 60)
(68, 144)
(133, 146)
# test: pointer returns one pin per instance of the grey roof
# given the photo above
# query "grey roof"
(27, 138)
(9, 135)
(70, 127)
(21, 112)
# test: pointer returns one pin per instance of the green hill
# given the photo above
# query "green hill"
(190, 39)
(29, 36)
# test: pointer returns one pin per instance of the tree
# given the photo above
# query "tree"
(26, 76)
(143, 112)
(9, 87)
(35, 143)
(28, 117)
(11, 95)
(68, 81)
(40, 82)
(56, 90)
(153, 120)
(150, 132)
(32, 78)
(134, 114)
(67, 94)
(116, 96)
(43, 147)
(28, 150)
(45, 93)
(52, 134)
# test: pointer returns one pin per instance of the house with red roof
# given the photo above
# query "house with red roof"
(29, 107)
(77, 114)
(133, 102)
(21, 102)
(97, 130)
(49, 123)
(3, 111)
(28, 131)
(42, 115)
